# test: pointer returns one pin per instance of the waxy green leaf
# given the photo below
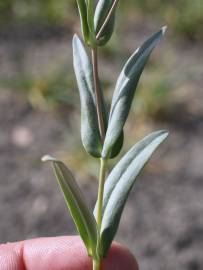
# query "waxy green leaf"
(82, 7)
(125, 89)
(89, 121)
(117, 146)
(90, 20)
(102, 10)
(119, 143)
(120, 182)
(82, 216)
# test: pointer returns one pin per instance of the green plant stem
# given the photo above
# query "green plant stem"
(98, 94)
(101, 192)
(96, 265)
(108, 17)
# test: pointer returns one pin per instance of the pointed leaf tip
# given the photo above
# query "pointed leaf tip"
(48, 158)
(164, 28)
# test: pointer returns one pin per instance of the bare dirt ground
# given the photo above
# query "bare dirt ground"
(163, 220)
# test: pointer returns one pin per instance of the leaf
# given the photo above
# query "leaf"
(120, 182)
(125, 89)
(102, 9)
(82, 216)
(119, 143)
(82, 7)
(90, 14)
(89, 123)
(117, 146)
(90, 21)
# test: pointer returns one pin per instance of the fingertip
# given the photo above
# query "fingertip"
(60, 253)
(11, 256)
(56, 253)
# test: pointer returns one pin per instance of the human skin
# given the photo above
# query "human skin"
(60, 253)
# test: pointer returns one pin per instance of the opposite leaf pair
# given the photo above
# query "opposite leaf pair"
(122, 98)
(116, 191)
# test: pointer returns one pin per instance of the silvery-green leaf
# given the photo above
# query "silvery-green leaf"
(89, 123)
(82, 216)
(82, 7)
(125, 89)
(117, 146)
(102, 9)
(120, 182)
(119, 143)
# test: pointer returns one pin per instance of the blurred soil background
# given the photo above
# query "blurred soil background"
(40, 114)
